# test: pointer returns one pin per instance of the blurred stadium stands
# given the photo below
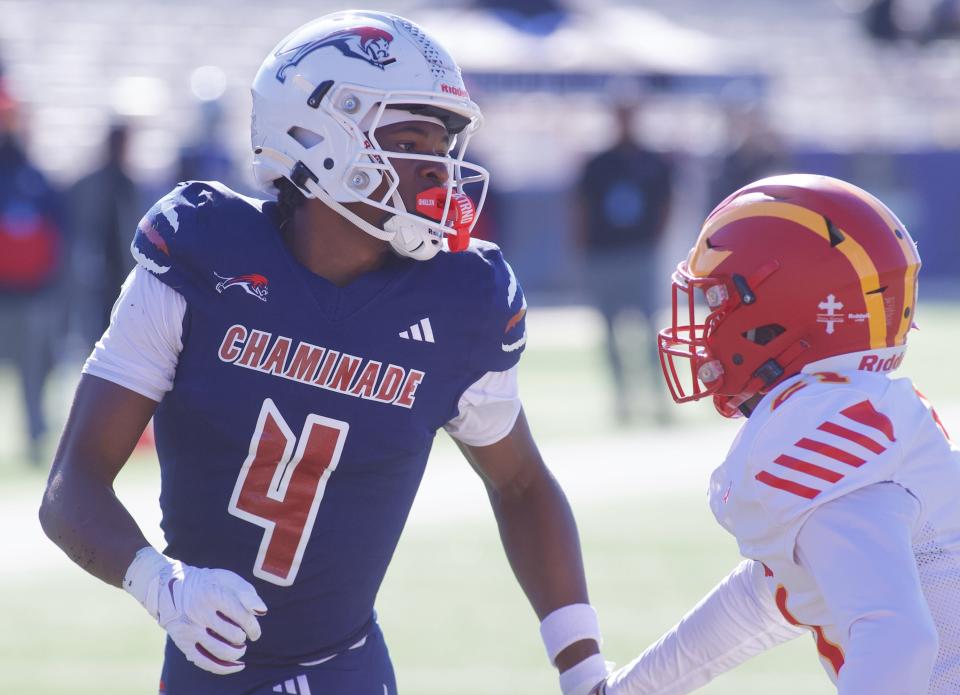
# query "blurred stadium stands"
(883, 114)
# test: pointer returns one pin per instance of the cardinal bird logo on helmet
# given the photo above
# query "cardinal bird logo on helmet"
(369, 44)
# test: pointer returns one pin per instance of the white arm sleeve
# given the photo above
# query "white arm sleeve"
(737, 620)
(859, 550)
(140, 348)
(487, 410)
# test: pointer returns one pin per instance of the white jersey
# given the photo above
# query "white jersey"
(826, 434)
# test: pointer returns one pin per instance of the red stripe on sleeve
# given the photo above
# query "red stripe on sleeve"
(861, 439)
(830, 451)
(808, 468)
(787, 485)
(827, 649)
(864, 413)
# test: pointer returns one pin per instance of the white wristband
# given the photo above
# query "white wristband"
(568, 625)
(142, 578)
(583, 677)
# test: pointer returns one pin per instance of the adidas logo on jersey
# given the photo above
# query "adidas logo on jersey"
(421, 331)
(291, 686)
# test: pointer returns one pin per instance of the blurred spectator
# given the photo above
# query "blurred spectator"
(624, 196)
(539, 17)
(880, 22)
(32, 252)
(892, 20)
(944, 20)
(206, 157)
(754, 151)
(104, 209)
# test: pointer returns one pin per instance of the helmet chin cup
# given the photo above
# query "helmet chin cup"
(413, 240)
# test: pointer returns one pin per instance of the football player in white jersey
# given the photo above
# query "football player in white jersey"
(842, 486)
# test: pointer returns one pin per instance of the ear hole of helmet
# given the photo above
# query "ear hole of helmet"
(305, 138)
(761, 335)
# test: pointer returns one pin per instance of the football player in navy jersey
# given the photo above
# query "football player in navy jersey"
(298, 356)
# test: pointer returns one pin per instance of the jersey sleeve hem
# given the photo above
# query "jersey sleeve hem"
(93, 368)
(486, 439)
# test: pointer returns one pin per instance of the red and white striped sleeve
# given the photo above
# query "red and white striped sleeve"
(822, 444)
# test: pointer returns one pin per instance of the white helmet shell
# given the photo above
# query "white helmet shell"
(322, 92)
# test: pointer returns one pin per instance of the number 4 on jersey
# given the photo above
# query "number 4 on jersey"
(280, 490)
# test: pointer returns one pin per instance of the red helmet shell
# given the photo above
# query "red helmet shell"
(820, 266)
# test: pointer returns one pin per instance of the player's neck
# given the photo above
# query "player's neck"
(330, 246)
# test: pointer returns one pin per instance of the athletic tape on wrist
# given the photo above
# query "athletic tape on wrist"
(568, 625)
(583, 677)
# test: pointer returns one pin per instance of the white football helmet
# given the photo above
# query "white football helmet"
(318, 99)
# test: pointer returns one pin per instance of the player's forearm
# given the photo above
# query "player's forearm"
(540, 538)
(86, 520)
(734, 622)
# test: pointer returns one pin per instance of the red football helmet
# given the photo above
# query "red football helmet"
(793, 269)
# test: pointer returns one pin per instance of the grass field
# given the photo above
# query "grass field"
(455, 620)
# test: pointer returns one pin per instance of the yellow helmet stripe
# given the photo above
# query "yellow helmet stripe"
(909, 253)
(703, 264)
(869, 282)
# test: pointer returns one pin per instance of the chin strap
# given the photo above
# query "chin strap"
(766, 376)
(407, 236)
(411, 239)
(314, 188)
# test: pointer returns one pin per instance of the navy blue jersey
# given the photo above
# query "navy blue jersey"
(301, 416)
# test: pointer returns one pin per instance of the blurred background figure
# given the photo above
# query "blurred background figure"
(624, 196)
(539, 17)
(32, 251)
(912, 20)
(752, 150)
(104, 207)
(206, 156)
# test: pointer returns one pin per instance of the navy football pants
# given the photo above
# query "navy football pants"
(366, 670)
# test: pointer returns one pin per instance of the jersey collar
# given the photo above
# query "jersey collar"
(882, 360)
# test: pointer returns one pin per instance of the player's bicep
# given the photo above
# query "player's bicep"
(104, 425)
(128, 372)
(850, 541)
(510, 465)
(859, 550)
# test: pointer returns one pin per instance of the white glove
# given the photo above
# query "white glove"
(208, 613)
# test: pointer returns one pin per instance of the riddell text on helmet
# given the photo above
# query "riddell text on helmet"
(873, 363)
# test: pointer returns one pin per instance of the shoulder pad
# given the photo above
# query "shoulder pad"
(500, 306)
(173, 235)
(824, 440)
